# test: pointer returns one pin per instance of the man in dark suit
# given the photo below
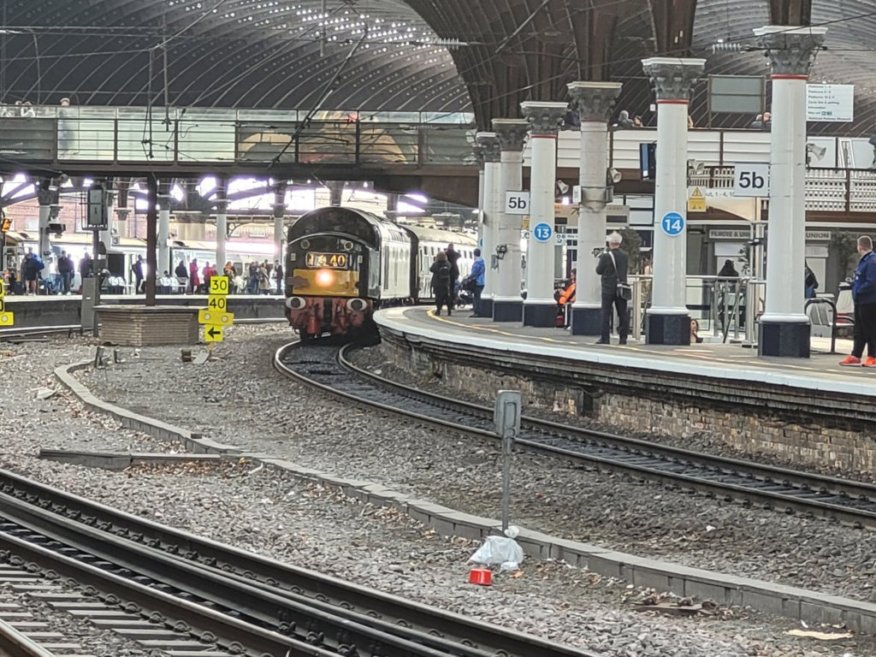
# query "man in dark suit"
(612, 267)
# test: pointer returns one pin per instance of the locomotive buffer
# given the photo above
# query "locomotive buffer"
(215, 317)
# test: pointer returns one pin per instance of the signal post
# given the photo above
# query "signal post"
(7, 317)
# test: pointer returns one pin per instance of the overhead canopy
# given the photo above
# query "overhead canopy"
(485, 56)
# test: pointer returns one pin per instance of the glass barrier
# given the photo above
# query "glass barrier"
(389, 144)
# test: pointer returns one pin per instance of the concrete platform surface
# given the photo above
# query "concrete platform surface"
(727, 362)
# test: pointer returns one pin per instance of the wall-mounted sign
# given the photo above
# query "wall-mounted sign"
(830, 102)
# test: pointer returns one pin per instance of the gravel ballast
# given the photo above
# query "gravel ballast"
(238, 399)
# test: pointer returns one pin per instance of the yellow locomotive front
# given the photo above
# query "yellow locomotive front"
(325, 285)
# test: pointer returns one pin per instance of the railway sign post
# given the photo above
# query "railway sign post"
(214, 317)
(7, 317)
(506, 417)
(213, 333)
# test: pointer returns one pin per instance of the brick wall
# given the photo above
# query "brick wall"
(805, 442)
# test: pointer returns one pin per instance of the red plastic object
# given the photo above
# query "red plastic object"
(480, 576)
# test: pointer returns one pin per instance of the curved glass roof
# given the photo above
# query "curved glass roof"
(484, 56)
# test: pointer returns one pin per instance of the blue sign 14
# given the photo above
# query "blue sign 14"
(542, 232)
(672, 224)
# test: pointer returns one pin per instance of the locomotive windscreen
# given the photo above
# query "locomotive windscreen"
(335, 220)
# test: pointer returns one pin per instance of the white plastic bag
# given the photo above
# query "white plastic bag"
(498, 550)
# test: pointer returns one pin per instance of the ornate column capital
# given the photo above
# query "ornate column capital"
(673, 77)
(488, 143)
(511, 133)
(221, 205)
(123, 213)
(791, 51)
(544, 118)
(594, 100)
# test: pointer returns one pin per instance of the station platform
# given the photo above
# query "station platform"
(729, 362)
(807, 411)
(65, 310)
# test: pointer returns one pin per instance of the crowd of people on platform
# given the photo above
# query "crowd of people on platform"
(257, 277)
(32, 277)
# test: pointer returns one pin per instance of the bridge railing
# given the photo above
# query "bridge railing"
(134, 135)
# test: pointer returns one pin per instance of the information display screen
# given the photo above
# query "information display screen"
(329, 260)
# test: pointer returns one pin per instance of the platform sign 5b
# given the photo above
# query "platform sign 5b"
(751, 179)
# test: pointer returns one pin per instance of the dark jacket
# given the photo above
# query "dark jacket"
(441, 277)
(610, 276)
(864, 285)
(30, 269)
(65, 265)
(452, 258)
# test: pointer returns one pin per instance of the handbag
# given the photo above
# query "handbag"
(624, 291)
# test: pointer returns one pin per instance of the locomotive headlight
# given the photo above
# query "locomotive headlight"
(347, 245)
(325, 277)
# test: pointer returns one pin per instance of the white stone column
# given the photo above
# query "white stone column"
(784, 327)
(164, 200)
(667, 320)
(45, 196)
(279, 221)
(106, 236)
(491, 208)
(545, 119)
(221, 231)
(595, 103)
(507, 299)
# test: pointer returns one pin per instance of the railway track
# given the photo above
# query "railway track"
(30, 333)
(326, 367)
(239, 600)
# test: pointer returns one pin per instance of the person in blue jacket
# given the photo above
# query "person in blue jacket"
(864, 294)
(477, 275)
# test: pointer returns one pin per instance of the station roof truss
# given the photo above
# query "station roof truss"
(483, 56)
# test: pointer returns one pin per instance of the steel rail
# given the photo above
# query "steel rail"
(847, 501)
(305, 623)
(28, 332)
(16, 644)
(200, 619)
(445, 632)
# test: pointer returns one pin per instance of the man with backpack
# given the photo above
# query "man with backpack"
(442, 282)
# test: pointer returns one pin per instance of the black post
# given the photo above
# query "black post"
(151, 238)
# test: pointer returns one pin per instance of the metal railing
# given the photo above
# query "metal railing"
(827, 190)
(225, 137)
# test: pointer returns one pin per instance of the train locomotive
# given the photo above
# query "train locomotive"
(342, 264)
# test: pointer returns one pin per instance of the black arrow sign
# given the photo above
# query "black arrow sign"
(212, 332)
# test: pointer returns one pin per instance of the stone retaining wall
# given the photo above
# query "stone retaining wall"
(796, 434)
